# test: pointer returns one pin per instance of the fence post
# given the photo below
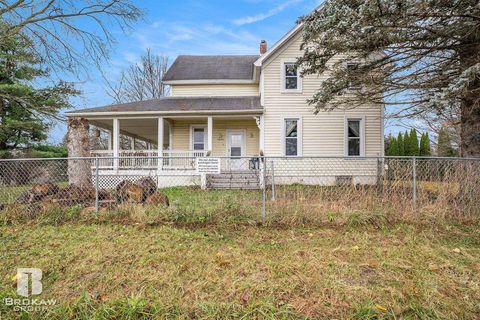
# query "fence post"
(273, 181)
(414, 173)
(96, 185)
(264, 196)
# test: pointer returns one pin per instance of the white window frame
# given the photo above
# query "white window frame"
(362, 135)
(205, 135)
(299, 135)
(283, 75)
(350, 86)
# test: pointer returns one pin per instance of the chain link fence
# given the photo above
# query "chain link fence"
(264, 187)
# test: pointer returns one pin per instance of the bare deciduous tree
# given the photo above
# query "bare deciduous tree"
(141, 81)
(69, 35)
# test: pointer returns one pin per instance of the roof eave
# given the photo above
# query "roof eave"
(211, 81)
(173, 112)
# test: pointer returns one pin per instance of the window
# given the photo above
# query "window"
(352, 68)
(354, 137)
(198, 138)
(291, 81)
(291, 77)
(291, 137)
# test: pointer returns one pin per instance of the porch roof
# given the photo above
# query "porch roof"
(180, 105)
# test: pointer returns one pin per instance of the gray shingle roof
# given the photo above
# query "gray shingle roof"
(211, 68)
(181, 104)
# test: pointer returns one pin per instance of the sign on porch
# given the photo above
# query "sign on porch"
(208, 165)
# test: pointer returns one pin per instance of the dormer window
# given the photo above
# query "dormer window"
(291, 80)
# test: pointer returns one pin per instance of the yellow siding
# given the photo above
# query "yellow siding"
(214, 90)
(181, 135)
(323, 134)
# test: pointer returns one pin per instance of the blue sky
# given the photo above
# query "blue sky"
(191, 27)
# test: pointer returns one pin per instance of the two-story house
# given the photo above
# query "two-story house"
(234, 107)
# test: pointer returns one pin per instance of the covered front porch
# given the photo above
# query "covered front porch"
(172, 143)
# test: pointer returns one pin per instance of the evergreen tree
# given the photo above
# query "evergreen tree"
(414, 144)
(407, 149)
(26, 114)
(425, 150)
(400, 144)
(392, 146)
(444, 145)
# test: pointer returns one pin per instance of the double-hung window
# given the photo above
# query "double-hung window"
(354, 137)
(292, 136)
(291, 80)
(352, 69)
(198, 138)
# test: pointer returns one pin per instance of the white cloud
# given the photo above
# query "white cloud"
(265, 15)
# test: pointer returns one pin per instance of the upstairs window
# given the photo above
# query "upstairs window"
(352, 68)
(291, 76)
(291, 80)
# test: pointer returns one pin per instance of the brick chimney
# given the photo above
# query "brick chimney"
(263, 46)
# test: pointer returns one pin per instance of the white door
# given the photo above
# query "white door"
(236, 150)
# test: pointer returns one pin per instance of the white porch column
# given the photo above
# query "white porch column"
(160, 142)
(210, 135)
(116, 142)
(109, 147)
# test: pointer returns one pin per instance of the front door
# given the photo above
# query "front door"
(236, 150)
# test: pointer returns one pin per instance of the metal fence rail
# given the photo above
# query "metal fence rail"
(276, 184)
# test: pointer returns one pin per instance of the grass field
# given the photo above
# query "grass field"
(207, 257)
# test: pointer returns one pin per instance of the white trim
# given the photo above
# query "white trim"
(382, 129)
(299, 134)
(210, 134)
(261, 133)
(262, 88)
(299, 88)
(361, 118)
(116, 142)
(244, 141)
(278, 44)
(170, 135)
(160, 133)
(154, 114)
(205, 141)
(214, 81)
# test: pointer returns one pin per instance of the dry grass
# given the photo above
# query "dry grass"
(207, 257)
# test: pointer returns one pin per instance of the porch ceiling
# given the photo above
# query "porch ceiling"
(144, 129)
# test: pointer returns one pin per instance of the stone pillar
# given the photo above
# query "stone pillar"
(79, 170)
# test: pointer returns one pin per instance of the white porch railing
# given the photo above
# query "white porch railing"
(148, 159)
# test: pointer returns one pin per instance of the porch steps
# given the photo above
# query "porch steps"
(234, 180)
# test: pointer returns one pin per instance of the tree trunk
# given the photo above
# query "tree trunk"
(79, 170)
(470, 107)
